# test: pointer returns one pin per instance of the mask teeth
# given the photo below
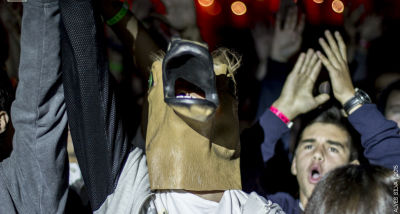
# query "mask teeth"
(184, 97)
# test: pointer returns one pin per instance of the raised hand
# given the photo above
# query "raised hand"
(360, 30)
(336, 64)
(296, 96)
(371, 27)
(287, 40)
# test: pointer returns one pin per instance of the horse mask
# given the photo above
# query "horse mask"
(192, 138)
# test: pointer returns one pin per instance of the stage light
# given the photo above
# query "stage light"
(238, 8)
(337, 6)
(318, 1)
(205, 3)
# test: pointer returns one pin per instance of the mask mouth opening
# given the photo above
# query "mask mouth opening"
(188, 76)
(186, 90)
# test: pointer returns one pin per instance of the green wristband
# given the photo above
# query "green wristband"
(120, 15)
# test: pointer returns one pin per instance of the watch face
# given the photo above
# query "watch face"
(363, 96)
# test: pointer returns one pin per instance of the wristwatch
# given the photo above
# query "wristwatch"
(359, 98)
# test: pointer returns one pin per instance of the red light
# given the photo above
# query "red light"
(205, 3)
(238, 8)
(337, 6)
(318, 1)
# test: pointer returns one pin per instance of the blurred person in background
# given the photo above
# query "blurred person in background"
(389, 102)
(11, 15)
(355, 189)
(6, 98)
(324, 144)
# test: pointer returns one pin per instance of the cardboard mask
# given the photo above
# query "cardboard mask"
(192, 138)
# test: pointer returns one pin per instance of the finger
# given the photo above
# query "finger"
(342, 46)
(314, 60)
(320, 99)
(300, 26)
(315, 71)
(329, 53)
(289, 20)
(307, 60)
(326, 63)
(278, 22)
(311, 65)
(299, 63)
(334, 46)
(294, 15)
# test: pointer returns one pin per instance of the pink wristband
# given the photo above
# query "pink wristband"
(279, 114)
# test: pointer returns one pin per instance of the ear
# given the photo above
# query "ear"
(293, 169)
(156, 70)
(4, 119)
(355, 162)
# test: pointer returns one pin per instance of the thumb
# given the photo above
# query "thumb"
(322, 98)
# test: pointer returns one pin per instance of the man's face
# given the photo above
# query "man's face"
(392, 111)
(322, 147)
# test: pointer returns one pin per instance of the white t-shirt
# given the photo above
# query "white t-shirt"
(133, 195)
(168, 202)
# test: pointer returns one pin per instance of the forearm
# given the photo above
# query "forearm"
(274, 129)
(36, 172)
(379, 137)
(133, 35)
(100, 143)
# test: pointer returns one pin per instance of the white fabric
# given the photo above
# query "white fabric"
(75, 175)
(184, 202)
(301, 206)
(133, 195)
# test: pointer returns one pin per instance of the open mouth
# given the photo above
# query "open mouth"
(188, 76)
(187, 90)
(315, 174)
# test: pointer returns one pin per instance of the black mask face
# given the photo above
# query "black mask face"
(188, 76)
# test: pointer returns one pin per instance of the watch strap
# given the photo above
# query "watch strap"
(360, 97)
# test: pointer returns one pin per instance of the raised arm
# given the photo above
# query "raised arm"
(132, 33)
(296, 98)
(34, 177)
(100, 142)
(379, 137)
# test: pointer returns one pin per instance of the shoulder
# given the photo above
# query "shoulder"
(286, 201)
(258, 204)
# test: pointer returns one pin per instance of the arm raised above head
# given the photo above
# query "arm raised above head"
(35, 175)
(101, 144)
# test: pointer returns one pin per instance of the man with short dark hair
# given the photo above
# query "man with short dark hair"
(323, 144)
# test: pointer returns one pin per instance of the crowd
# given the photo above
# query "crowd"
(121, 107)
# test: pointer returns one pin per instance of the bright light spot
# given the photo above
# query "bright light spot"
(318, 1)
(205, 3)
(238, 8)
(338, 6)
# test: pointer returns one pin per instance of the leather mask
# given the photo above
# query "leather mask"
(192, 138)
